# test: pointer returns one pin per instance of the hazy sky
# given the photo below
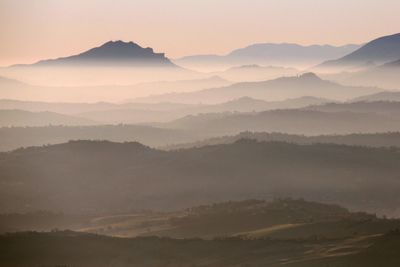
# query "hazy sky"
(36, 29)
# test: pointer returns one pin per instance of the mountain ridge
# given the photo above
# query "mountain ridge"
(140, 178)
(378, 51)
(22, 118)
(278, 89)
(270, 53)
(111, 53)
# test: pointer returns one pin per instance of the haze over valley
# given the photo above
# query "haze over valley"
(199, 133)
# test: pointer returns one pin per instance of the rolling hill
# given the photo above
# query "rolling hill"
(148, 112)
(16, 137)
(84, 177)
(71, 108)
(137, 112)
(389, 108)
(368, 140)
(64, 95)
(67, 248)
(248, 219)
(303, 121)
(15, 118)
(307, 84)
(278, 219)
(381, 96)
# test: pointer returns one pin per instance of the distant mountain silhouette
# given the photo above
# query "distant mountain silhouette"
(70, 108)
(382, 50)
(9, 86)
(254, 72)
(390, 108)
(13, 89)
(384, 76)
(248, 104)
(16, 137)
(112, 53)
(10, 82)
(294, 121)
(270, 53)
(381, 96)
(389, 139)
(307, 84)
(147, 113)
(131, 112)
(26, 118)
(393, 64)
(57, 107)
(295, 52)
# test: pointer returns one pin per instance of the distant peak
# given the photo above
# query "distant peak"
(113, 53)
(120, 43)
(309, 76)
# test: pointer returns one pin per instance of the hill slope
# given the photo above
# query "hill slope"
(280, 218)
(85, 176)
(378, 51)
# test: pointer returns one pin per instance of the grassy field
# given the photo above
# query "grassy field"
(283, 219)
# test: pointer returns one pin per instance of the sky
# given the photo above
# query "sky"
(31, 30)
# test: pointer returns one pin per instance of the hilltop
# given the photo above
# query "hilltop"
(112, 53)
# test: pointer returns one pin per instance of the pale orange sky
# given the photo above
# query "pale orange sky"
(31, 30)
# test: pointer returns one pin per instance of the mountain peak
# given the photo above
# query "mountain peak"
(119, 49)
(121, 44)
(309, 76)
(113, 53)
